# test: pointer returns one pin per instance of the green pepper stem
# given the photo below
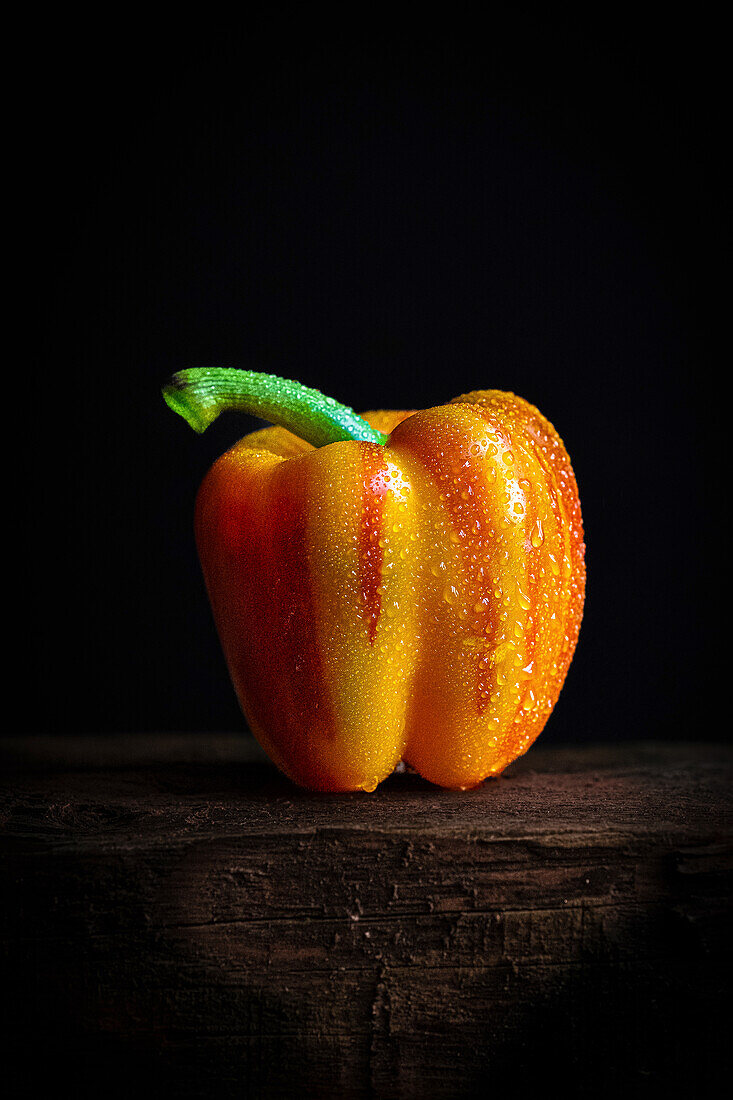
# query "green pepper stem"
(200, 394)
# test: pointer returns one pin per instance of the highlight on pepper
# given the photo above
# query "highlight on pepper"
(396, 586)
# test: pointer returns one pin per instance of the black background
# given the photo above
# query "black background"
(394, 216)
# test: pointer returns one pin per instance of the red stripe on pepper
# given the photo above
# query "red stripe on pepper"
(303, 696)
(375, 485)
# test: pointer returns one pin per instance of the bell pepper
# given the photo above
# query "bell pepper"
(398, 586)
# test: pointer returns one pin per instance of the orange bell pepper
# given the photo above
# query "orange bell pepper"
(398, 586)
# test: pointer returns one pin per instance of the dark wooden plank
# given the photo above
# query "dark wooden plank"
(176, 913)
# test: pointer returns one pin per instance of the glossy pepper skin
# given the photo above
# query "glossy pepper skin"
(417, 601)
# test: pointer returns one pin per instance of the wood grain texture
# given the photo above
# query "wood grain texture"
(178, 916)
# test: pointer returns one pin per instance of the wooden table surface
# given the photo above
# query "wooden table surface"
(176, 914)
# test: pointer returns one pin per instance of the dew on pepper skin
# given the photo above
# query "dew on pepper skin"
(524, 601)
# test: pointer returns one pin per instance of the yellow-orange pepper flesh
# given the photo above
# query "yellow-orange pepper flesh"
(418, 600)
